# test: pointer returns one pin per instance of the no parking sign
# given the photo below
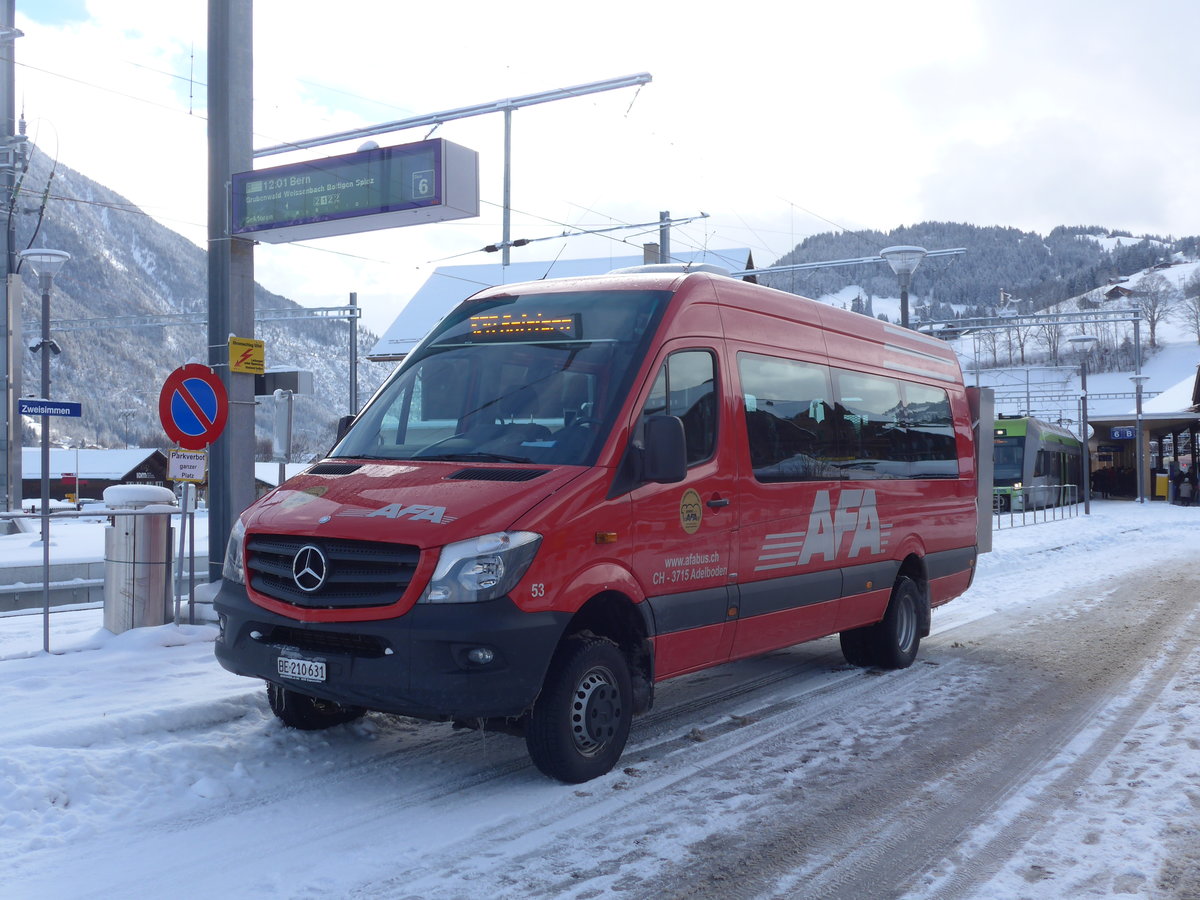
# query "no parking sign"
(193, 406)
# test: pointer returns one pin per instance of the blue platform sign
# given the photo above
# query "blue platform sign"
(1124, 433)
(28, 406)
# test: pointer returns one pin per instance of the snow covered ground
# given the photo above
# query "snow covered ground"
(135, 765)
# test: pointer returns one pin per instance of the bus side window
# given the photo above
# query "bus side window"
(930, 424)
(686, 387)
(790, 424)
(872, 405)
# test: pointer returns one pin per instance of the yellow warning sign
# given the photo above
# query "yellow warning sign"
(247, 355)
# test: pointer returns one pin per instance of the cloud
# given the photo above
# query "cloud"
(776, 120)
(1051, 172)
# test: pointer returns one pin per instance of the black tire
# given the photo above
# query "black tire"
(300, 711)
(893, 642)
(580, 721)
(854, 647)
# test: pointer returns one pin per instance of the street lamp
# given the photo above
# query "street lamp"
(1138, 381)
(904, 261)
(1084, 343)
(45, 264)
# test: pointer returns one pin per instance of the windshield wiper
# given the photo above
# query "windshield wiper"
(467, 457)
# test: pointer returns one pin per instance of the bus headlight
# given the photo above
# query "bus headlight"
(234, 568)
(481, 568)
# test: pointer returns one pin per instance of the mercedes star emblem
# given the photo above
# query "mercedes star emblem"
(309, 568)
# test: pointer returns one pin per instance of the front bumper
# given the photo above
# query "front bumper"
(413, 665)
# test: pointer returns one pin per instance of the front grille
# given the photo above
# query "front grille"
(311, 641)
(357, 573)
(496, 474)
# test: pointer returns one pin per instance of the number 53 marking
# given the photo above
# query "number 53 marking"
(538, 590)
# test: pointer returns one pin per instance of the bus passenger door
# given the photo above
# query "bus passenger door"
(789, 578)
(684, 532)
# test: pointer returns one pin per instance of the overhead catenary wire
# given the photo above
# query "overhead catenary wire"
(193, 82)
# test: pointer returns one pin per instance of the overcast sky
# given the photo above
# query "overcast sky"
(779, 121)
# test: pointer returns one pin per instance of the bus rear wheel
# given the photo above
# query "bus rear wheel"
(580, 721)
(893, 642)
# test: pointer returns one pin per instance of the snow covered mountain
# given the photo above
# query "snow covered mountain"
(124, 263)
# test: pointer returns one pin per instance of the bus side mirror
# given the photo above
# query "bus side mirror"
(343, 426)
(664, 460)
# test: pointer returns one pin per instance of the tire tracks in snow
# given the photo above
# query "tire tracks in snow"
(906, 813)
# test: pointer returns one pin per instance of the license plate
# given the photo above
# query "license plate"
(300, 669)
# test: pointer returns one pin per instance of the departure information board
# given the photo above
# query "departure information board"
(384, 187)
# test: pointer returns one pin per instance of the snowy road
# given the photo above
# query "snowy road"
(1046, 744)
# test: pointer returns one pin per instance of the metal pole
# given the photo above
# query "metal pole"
(44, 283)
(13, 378)
(506, 225)
(12, 310)
(904, 301)
(1087, 454)
(191, 515)
(438, 118)
(178, 573)
(353, 353)
(230, 264)
(664, 237)
(283, 431)
(1141, 483)
(1137, 372)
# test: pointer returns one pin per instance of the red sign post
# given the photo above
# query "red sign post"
(193, 406)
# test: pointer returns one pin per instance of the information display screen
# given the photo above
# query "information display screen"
(384, 187)
(525, 326)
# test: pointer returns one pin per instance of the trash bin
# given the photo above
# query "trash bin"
(137, 557)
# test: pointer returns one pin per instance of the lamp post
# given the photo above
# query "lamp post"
(45, 264)
(1084, 342)
(904, 261)
(1138, 381)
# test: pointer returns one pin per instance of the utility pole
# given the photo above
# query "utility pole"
(664, 237)
(12, 160)
(230, 265)
(353, 354)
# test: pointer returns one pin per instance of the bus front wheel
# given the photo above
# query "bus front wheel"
(300, 711)
(581, 720)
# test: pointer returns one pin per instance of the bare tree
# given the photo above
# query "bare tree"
(1156, 299)
(989, 341)
(1189, 307)
(1052, 337)
(1021, 337)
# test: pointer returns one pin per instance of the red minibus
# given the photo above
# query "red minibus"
(574, 489)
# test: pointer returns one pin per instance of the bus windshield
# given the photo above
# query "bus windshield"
(535, 378)
(1009, 460)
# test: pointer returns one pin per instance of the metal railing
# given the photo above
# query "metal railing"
(183, 583)
(1014, 507)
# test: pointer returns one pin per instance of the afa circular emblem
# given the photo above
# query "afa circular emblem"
(691, 511)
